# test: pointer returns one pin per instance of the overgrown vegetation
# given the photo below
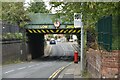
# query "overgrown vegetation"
(86, 75)
(11, 36)
(37, 7)
(91, 13)
(116, 34)
(14, 13)
(17, 14)
(12, 61)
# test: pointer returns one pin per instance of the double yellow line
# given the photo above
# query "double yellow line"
(57, 72)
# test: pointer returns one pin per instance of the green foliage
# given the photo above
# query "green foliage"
(115, 45)
(91, 11)
(12, 61)
(0, 10)
(116, 34)
(56, 37)
(67, 36)
(50, 36)
(12, 36)
(37, 7)
(14, 13)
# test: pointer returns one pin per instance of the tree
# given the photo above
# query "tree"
(91, 11)
(37, 7)
(0, 10)
(14, 13)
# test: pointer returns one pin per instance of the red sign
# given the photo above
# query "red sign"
(57, 24)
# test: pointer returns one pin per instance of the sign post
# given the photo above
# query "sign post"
(78, 24)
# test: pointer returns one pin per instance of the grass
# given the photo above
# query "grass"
(86, 74)
(12, 62)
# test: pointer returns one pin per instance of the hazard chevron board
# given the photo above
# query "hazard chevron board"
(54, 31)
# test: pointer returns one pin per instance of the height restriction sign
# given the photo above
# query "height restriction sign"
(77, 20)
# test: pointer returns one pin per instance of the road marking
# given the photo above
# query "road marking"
(21, 68)
(31, 66)
(71, 46)
(58, 71)
(66, 51)
(9, 71)
(63, 49)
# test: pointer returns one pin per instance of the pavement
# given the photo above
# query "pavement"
(47, 50)
(72, 71)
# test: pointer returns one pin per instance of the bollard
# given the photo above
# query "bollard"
(75, 57)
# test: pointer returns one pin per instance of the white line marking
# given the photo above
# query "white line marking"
(31, 66)
(9, 71)
(21, 68)
(63, 49)
(71, 46)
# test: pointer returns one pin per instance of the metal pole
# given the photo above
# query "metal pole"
(82, 47)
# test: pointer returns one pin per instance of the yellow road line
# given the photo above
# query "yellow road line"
(57, 72)
(50, 78)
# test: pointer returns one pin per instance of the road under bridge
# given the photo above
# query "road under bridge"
(42, 24)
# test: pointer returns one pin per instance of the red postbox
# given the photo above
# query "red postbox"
(75, 57)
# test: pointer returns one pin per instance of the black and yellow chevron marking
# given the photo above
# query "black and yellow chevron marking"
(54, 31)
(39, 31)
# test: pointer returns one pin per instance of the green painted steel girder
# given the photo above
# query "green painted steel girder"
(38, 20)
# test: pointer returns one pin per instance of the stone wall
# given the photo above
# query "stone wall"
(103, 63)
(13, 51)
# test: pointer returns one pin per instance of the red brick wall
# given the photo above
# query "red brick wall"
(94, 63)
(103, 64)
(110, 64)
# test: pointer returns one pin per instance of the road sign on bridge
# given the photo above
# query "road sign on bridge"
(44, 23)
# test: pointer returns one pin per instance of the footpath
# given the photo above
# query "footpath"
(72, 72)
(47, 50)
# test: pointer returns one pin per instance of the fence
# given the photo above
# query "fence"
(104, 30)
(108, 33)
(13, 48)
(102, 63)
(10, 32)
